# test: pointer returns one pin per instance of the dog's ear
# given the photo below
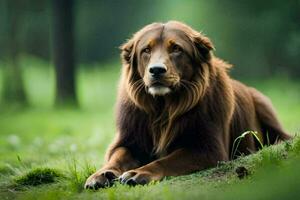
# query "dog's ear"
(203, 46)
(127, 51)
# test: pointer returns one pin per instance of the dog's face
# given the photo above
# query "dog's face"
(165, 55)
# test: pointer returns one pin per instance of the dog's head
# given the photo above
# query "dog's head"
(166, 57)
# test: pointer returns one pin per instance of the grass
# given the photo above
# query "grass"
(39, 145)
(237, 141)
(37, 176)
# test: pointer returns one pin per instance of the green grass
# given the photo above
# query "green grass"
(48, 153)
(36, 177)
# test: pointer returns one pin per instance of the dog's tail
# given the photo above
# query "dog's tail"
(271, 127)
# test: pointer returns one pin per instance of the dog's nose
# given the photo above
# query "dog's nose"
(157, 70)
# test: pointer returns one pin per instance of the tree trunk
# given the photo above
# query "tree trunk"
(13, 87)
(63, 52)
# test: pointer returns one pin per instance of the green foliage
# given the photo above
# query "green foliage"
(76, 177)
(259, 37)
(37, 177)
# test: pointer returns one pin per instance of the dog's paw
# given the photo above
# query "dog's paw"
(101, 179)
(137, 177)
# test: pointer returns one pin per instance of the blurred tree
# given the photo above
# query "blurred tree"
(63, 51)
(13, 90)
(260, 38)
(102, 26)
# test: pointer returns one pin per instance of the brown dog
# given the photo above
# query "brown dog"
(178, 111)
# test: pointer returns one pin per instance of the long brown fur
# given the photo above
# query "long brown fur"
(189, 129)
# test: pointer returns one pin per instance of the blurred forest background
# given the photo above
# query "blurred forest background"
(59, 67)
(260, 38)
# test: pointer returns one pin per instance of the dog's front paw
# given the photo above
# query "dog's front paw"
(138, 177)
(101, 179)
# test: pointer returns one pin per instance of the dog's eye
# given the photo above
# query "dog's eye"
(146, 50)
(176, 49)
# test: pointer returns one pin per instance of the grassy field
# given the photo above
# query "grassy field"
(47, 153)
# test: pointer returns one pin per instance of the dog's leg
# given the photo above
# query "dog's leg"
(180, 162)
(120, 161)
